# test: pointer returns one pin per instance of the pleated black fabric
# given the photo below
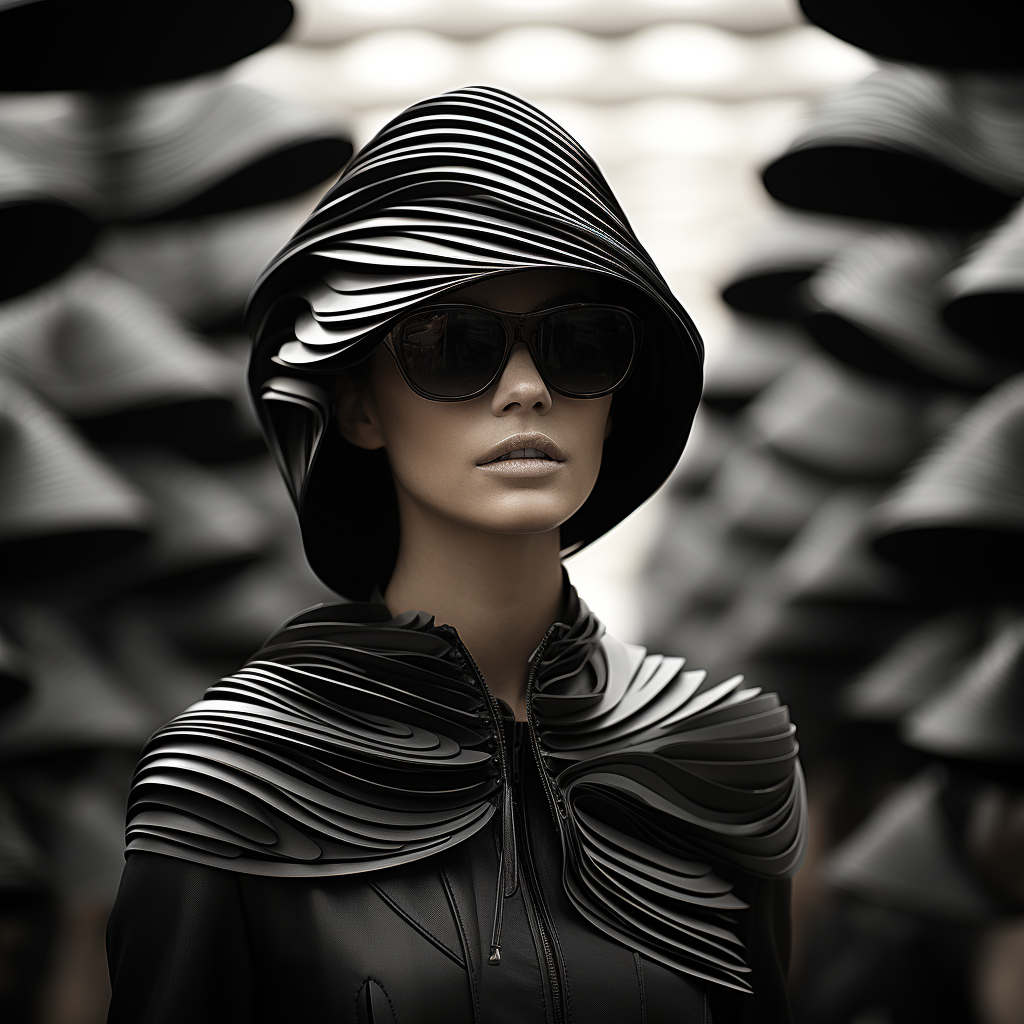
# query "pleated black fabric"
(341, 746)
(461, 187)
(355, 742)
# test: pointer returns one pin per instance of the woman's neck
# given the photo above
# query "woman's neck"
(501, 592)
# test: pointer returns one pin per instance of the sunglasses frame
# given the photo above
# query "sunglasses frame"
(519, 327)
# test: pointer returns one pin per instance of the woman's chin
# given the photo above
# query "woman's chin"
(519, 514)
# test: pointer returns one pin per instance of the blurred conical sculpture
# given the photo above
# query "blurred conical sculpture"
(106, 355)
(784, 254)
(830, 560)
(754, 354)
(985, 294)
(910, 145)
(980, 715)
(14, 672)
(76, 701)
(916, 667)
(205, 147)
(202, 530)
(905, 856)
(838, 422)
(761, 494)
(22, 863)
(946, 33)
(875, 306)
(957, 519)
(62, 506)
(201, 269)
(77, 806)
(116, 44)
(47, 210)
(156, 672)
(707, 446)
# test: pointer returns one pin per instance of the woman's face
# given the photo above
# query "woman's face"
(447, 457)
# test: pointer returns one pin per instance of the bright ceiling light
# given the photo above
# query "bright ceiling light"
(399, 62)
(677, 124)
(381, 10)
(538, 57)
(687, 55)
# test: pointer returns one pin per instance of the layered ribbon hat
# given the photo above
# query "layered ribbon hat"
(458, 188)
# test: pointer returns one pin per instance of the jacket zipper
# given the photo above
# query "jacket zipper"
(539, 916)
(556, 807)
(508, 869)
(533, 898)
(555, 801)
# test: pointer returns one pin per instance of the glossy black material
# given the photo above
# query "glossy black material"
(457, 189)
(946, 33)
(353, 806)
(118, 44)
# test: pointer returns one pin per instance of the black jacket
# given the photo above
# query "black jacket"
(351, 829)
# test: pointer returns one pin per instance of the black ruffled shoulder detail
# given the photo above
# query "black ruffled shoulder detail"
(657, 775)
(352, 741)
(355, 741)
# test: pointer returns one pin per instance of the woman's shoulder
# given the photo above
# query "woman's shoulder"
(351, 741)
(716, 760)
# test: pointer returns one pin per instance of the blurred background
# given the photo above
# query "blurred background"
(833, 190)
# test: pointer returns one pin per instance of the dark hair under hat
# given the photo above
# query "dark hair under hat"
(459, 188)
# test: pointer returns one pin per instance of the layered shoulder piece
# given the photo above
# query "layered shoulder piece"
(355, 741)
(352, 741)
(657, 774)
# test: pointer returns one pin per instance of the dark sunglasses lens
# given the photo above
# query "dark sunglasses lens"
(450, 353)
(586, 351)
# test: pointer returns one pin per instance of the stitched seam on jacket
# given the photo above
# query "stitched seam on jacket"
(477, 1016)
(378, 982)
(412, 922)
(643, 994)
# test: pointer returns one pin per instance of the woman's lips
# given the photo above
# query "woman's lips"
(524, 456)
(523, 453)
(523, 467)
(524, 447)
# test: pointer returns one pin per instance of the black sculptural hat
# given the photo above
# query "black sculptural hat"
(985, 293)
(756, 352)
(459, 188)
(782, 255)
(957, 519)
(837, 422)
(204, 147)
(121, 44)
(911, 145)
(876, 307)
(104, 354)
(48, 216)
(979, 716)
(62, 506)
(907, 856)
(913, 669)
(948, 33)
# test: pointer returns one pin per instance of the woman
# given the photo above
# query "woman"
(457, 798)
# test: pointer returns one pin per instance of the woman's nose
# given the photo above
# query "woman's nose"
(520, 386)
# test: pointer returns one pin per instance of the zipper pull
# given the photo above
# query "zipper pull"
(508, 872)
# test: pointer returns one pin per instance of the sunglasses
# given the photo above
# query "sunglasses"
(454, 353)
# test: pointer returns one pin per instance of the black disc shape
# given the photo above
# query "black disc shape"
(122, 44)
